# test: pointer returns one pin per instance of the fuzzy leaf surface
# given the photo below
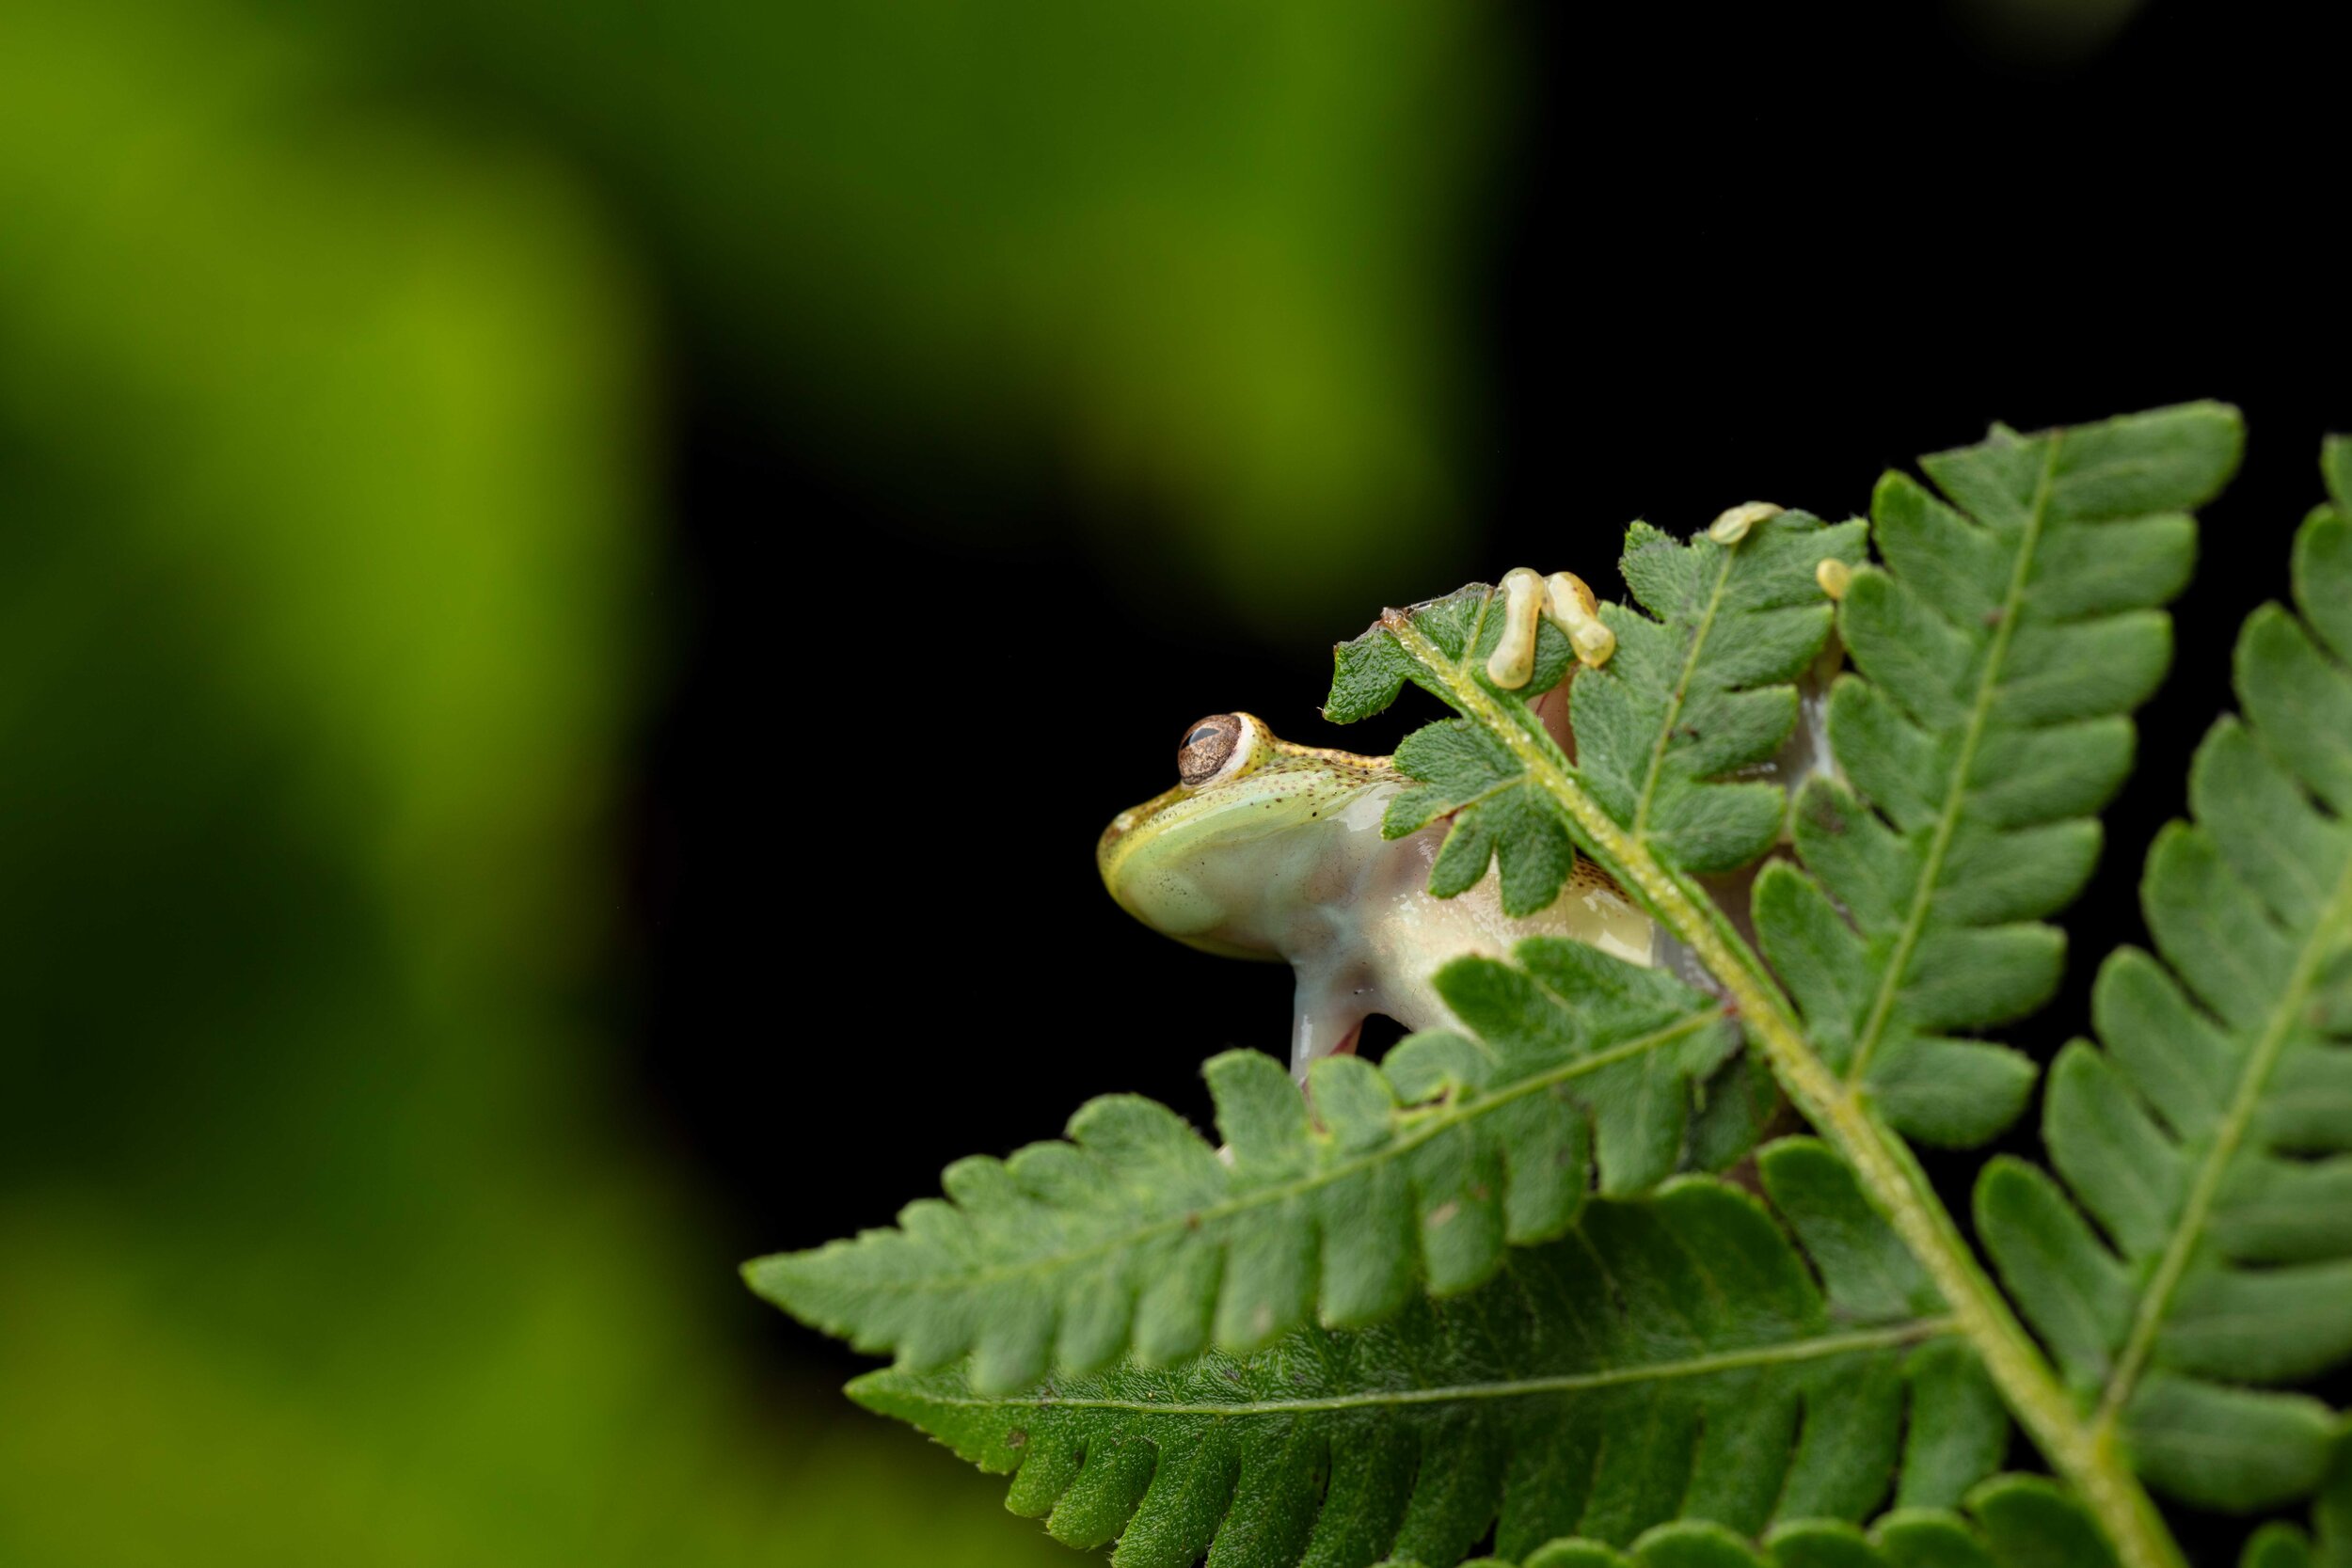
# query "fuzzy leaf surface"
(1673, 1359)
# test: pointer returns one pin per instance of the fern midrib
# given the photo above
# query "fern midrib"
(2155, 1304)
(1502, 786)
(1426, 1124)
(1882, 1163)
(1948, 822)
(1817, 1348)
(1681, 694)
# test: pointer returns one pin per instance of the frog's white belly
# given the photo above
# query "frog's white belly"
(1371, 937)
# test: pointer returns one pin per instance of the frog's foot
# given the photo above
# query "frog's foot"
(1528, 598)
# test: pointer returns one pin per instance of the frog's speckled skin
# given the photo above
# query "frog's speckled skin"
(1279, 856)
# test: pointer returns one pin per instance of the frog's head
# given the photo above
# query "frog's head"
(1245, 842)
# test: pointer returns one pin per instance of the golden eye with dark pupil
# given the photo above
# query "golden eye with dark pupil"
(1207, 747)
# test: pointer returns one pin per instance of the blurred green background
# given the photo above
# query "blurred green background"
(336, 350)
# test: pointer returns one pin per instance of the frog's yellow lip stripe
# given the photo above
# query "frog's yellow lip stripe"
(1131, 818)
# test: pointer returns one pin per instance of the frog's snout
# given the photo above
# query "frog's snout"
(1121, 826)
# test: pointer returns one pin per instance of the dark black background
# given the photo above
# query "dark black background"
(1735, 251)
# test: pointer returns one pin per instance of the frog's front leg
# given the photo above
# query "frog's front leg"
(1528, 598)
(1331, 1003)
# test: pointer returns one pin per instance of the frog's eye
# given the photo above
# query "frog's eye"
(1210, 747)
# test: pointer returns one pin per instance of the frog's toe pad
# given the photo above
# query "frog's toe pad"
(1528, 596)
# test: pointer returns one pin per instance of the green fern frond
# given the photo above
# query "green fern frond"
(1136, 1232)
(1672, 1358)
(2012, 628)
(2210, 1135)
(1653, 1377)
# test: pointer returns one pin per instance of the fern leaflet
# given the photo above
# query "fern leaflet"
(1999, 650)
(1134, 1232)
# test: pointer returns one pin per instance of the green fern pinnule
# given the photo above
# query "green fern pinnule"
(1672, 1358)
(2011, 630)
(1701, 692)
(1417, 1173)
(2208, 1135)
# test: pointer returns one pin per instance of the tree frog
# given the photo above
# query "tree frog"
(1266, 850)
